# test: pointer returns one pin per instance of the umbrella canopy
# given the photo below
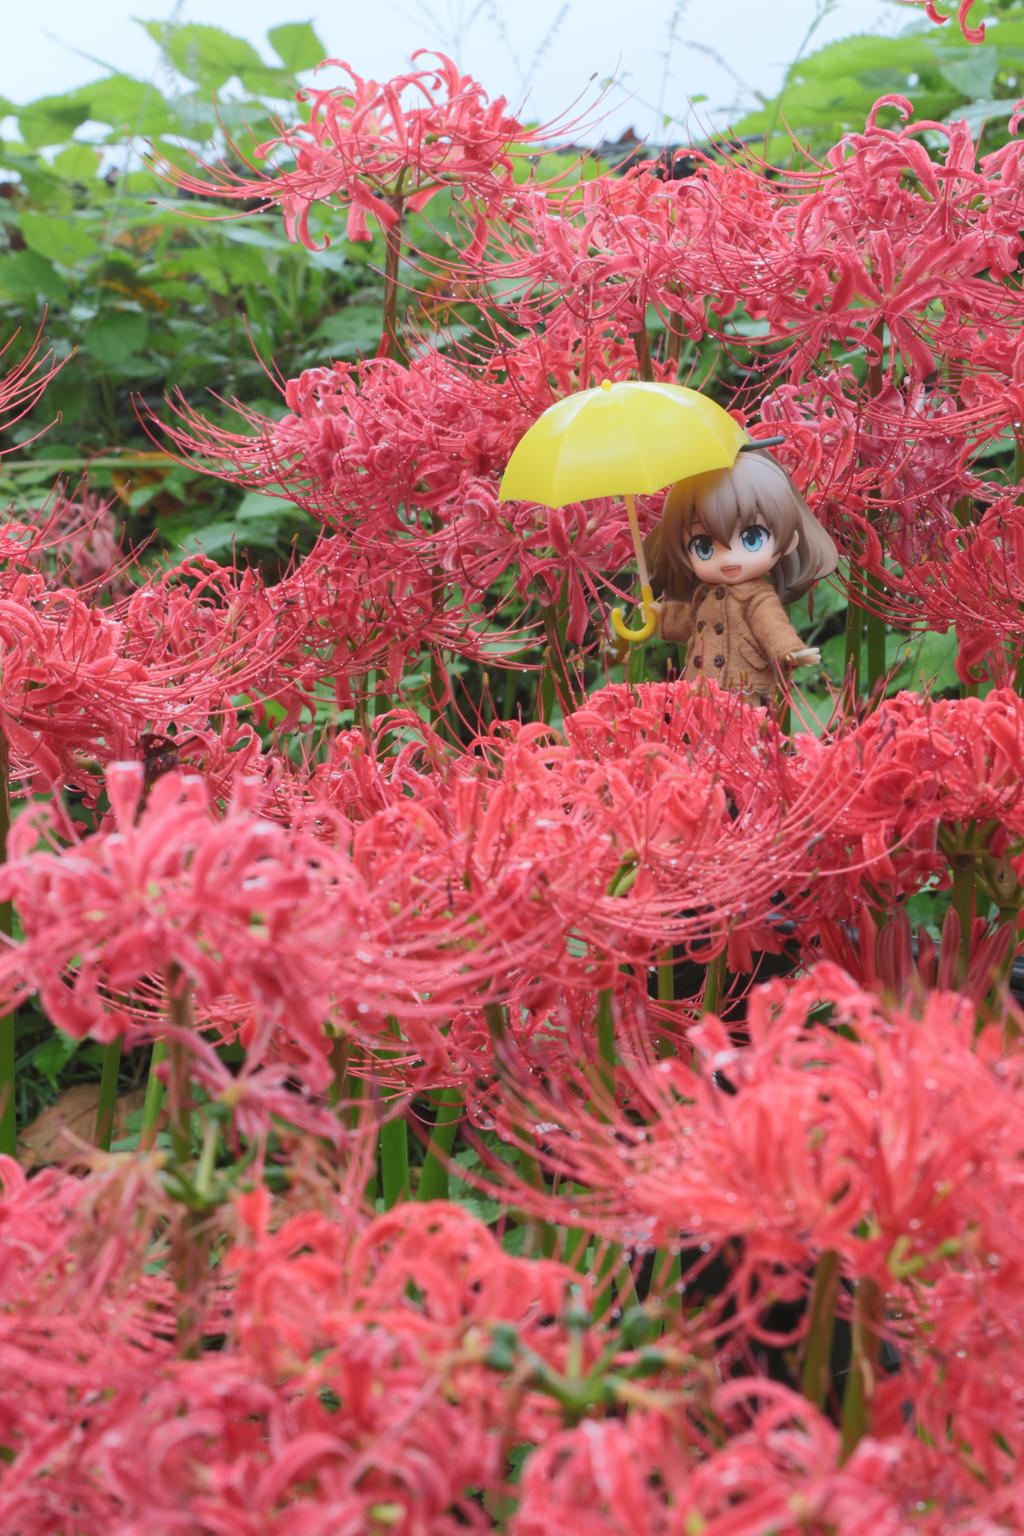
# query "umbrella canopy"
(619, 439)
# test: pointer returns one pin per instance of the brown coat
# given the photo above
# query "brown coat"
(737, 635)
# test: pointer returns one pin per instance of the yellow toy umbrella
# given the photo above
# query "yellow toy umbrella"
(624, 439)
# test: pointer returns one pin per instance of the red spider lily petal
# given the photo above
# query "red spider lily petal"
(970, 34)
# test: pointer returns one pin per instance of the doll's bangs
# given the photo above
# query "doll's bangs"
(755, 490)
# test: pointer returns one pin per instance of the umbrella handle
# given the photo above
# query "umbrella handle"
(649, 625)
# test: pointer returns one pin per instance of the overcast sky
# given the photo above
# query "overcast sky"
(544, 52)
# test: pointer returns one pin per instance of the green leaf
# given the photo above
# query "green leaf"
(129, 104)
(52, 119)
(27, 275)
(974, 74)
(119, 334)
(254, 505)
(204, 54)
(930, 664)
(79, 162)
(297, 45)
(59, 240)
(356, 328)
(53, 1056)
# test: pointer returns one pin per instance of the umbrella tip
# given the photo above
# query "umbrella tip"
(606, 383)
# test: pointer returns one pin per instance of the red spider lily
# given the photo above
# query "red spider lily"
(912, 772)
(825, 1143)
(401, 462)
(83, 539)
(81, 686)
(781, 1470)
(365, 145)
(334, 1395)
(889, 958)
(598, 255)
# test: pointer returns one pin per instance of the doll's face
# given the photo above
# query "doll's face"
(752, 552)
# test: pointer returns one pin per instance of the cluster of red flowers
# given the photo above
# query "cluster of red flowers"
(624, 1327)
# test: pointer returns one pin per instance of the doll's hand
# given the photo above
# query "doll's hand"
(809, 656)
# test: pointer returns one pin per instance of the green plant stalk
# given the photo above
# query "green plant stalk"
(108, 1094)
(820, 1329)
(962, 899)
(854, 634)
(605, 1050)
(613, 1282)
(8, 1121)
(433, 1180)
(875, 626)
(392, 260)
(554, 683)
(642, 347)
(858, 1398)
(666, 992)
(714, 984)
(154, 1097)
(394, 1161)
(207, 1159)
(636, 664)
(177, 1083)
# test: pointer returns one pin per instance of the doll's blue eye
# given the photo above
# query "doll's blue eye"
(702, 545)
(754, 538)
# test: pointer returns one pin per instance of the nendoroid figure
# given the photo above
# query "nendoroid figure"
(732, 548)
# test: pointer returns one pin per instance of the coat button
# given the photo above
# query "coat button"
(719, 592)
(697, 662)
(719, 628)
(700, 625)
(719, 661)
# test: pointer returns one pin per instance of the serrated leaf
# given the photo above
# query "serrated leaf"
(27, 275)
(51, 119)
(115, 336)
(297, 45)
(973, 75)
(79, 162)
(53, 1056)
(355, 328)
(205, 54)
(931, 664)
(126, 103)
(59, 240)
(266, 82)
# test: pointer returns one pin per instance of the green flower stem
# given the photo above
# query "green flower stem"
(854, 633)
(714, 985)
(108, 1094)
(207, 1159)
(963, 906)
(858, 1398)
(606, 1045)
(392, 260)
(642, 347)
(875, 627)
(178, 1119)
(394, 1161)
(818, 1347)
(433, 1180)
(8, 1123)
(666, 992)
(555, 686)
(154, 1098)
(613, 1282)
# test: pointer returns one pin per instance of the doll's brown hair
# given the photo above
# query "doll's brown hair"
(755, 490)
